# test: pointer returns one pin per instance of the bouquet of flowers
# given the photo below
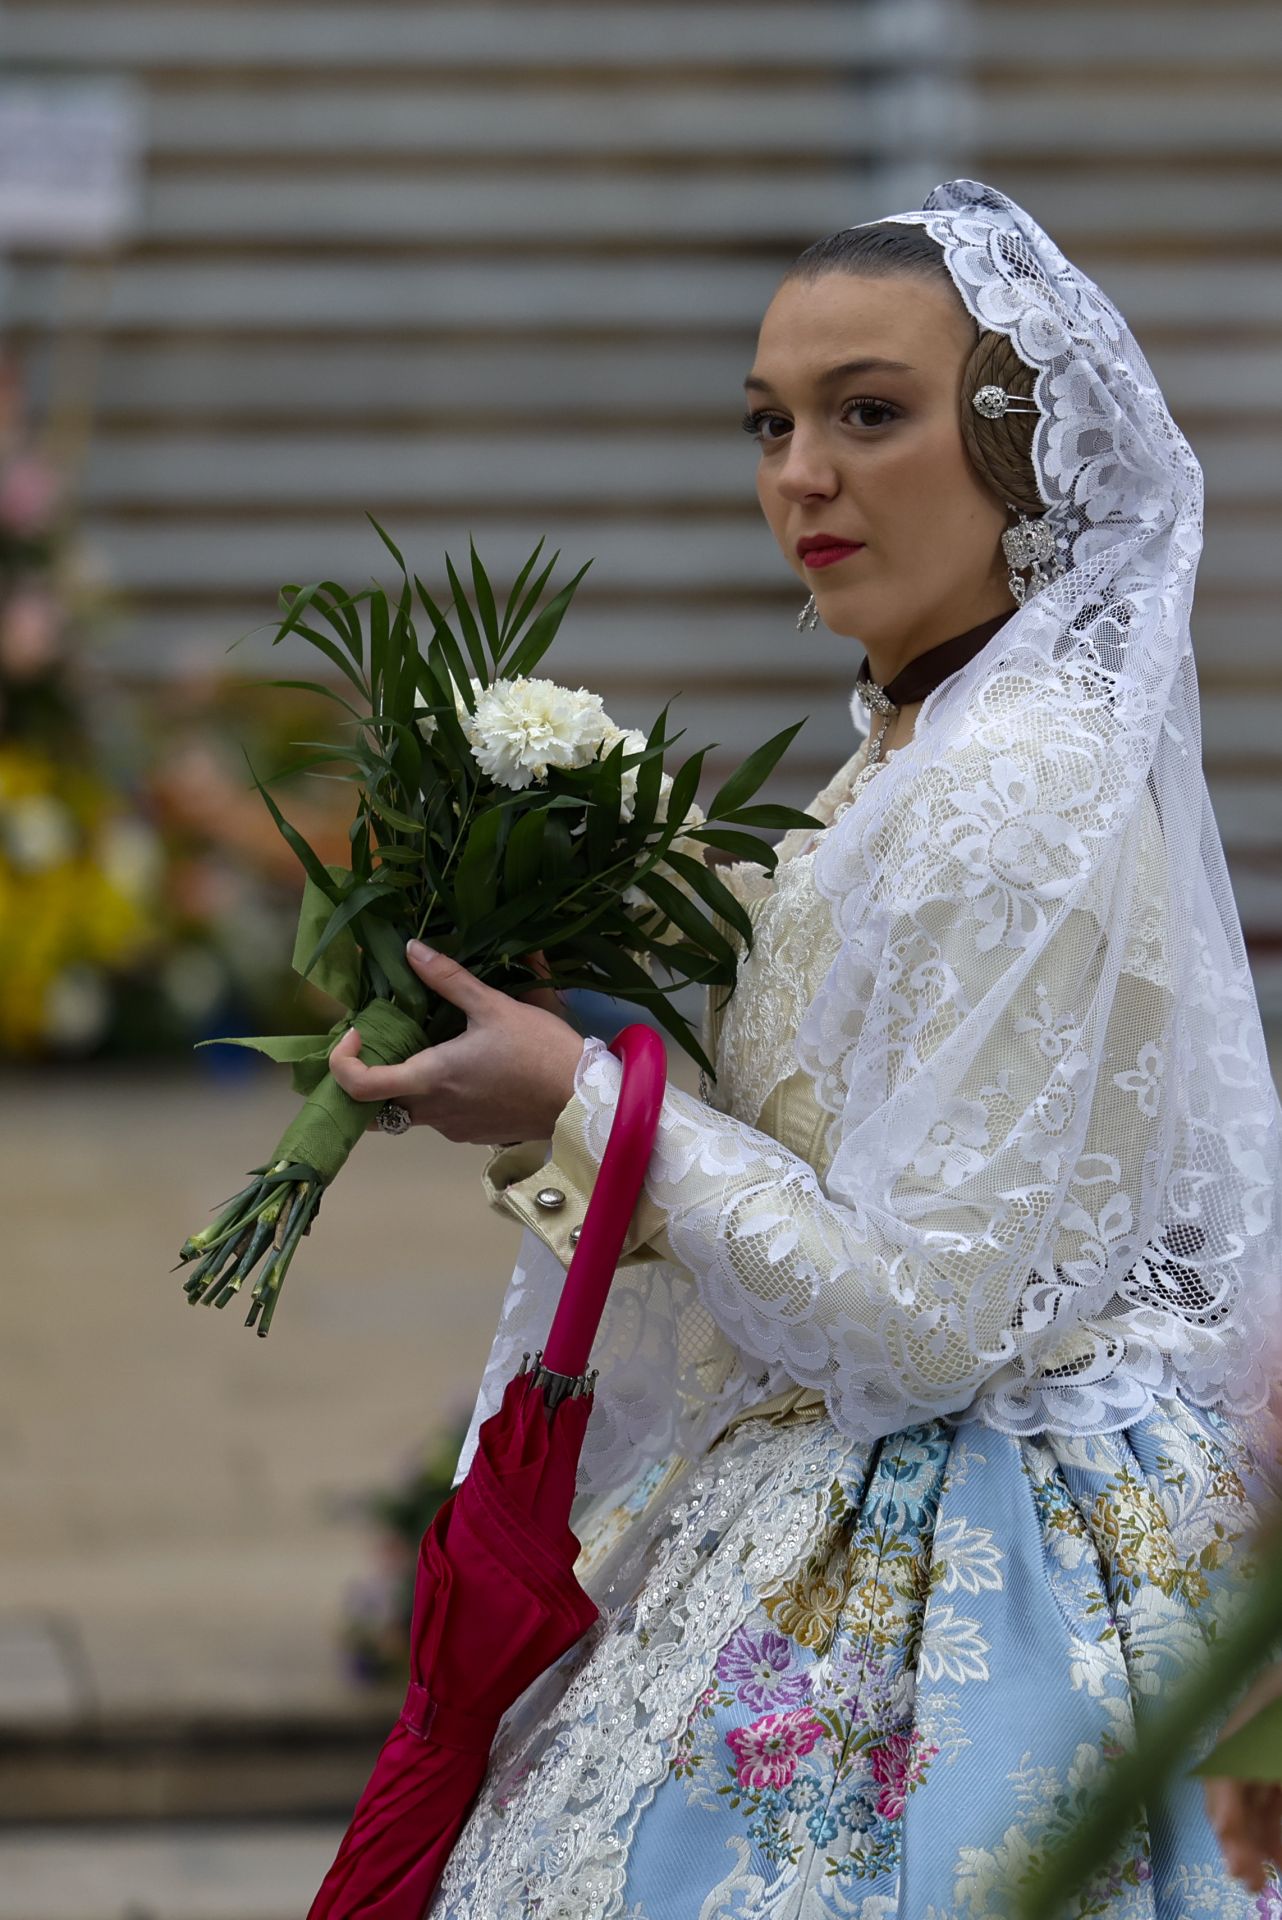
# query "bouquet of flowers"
(498, 816)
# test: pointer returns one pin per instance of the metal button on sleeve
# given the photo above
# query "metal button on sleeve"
(549, 1198)
(574, 1235)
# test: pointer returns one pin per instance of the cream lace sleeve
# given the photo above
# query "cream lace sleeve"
(891, 1329)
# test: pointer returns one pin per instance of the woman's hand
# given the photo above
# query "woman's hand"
(507, 1078)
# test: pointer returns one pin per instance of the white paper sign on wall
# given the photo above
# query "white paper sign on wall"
(70, 164)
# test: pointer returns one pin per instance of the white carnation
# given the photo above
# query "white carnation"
(634, 741)
(522, 727)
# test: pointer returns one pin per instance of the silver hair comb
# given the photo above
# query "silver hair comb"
(993, 402)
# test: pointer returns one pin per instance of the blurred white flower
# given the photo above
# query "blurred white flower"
(39, 832)
(131, 857)
(194, 980)
(427, 725)
(522, 727)
(76, 1009)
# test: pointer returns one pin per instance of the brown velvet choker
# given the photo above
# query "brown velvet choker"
(929, 670)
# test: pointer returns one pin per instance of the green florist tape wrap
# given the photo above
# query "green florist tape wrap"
(330, 1122)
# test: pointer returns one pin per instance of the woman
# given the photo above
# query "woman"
(921, 1439)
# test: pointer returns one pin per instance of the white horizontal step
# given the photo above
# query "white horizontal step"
(1185, 114)
(544, 466)
(425, 469)
(247, 553)
(809, 33)
(631, 554)
(662, 291)
(482, 382)
(187, 1870)
(651, 644)
(1111, 37)
(330, 205)
(337, 384)
(596, 644)
(838, 116)
(345, 291)
(1248, 811)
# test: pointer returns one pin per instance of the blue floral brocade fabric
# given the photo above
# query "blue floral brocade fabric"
(902, 1727)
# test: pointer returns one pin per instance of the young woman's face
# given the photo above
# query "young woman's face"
(873, 453)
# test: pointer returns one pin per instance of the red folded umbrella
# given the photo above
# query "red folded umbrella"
(495, 1597)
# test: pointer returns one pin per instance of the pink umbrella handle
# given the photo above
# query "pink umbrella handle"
(613, 1202)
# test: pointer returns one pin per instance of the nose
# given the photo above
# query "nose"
(806, 471)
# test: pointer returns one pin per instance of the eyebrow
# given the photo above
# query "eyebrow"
(754, 383)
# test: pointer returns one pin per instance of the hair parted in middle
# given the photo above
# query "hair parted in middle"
(999, 450)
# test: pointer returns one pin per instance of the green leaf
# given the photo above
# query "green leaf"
(330, 648)
(640, 989)
(745, 780)
(379, 624)
(387, 540)
(444, 641)
(524, 855)
(558, 853)
(388, 948)
(683, 913)
(1254, 1752)
(394, 817)
(607, 803)
(328, 693)
(402, 856)
(744, 846)
(467, 622)
(712, 891)
(312, 863)
(645, 806)
(338, 610)
(283, 1048)
(484, 601)
(513, 622)
(771, 815)
(359, 898)
(513, 596)
(685, 785)
(543, 630)
(476, 879)
(338, 972)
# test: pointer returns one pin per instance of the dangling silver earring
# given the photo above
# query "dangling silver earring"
(809, 615)
(1030, 544)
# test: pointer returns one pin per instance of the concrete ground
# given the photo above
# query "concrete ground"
(176, 1494)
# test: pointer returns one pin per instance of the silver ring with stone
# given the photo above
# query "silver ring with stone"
(393, 1117)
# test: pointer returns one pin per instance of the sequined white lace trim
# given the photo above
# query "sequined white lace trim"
(551, 1834)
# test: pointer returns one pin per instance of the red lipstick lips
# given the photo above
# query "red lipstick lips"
(825, 549)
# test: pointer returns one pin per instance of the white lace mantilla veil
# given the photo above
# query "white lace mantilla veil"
(1036, 943)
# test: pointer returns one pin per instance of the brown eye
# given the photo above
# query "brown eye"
(756, 424)
(881, 408)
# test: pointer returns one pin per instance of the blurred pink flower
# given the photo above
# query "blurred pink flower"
(28, 494)
(30, 634)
